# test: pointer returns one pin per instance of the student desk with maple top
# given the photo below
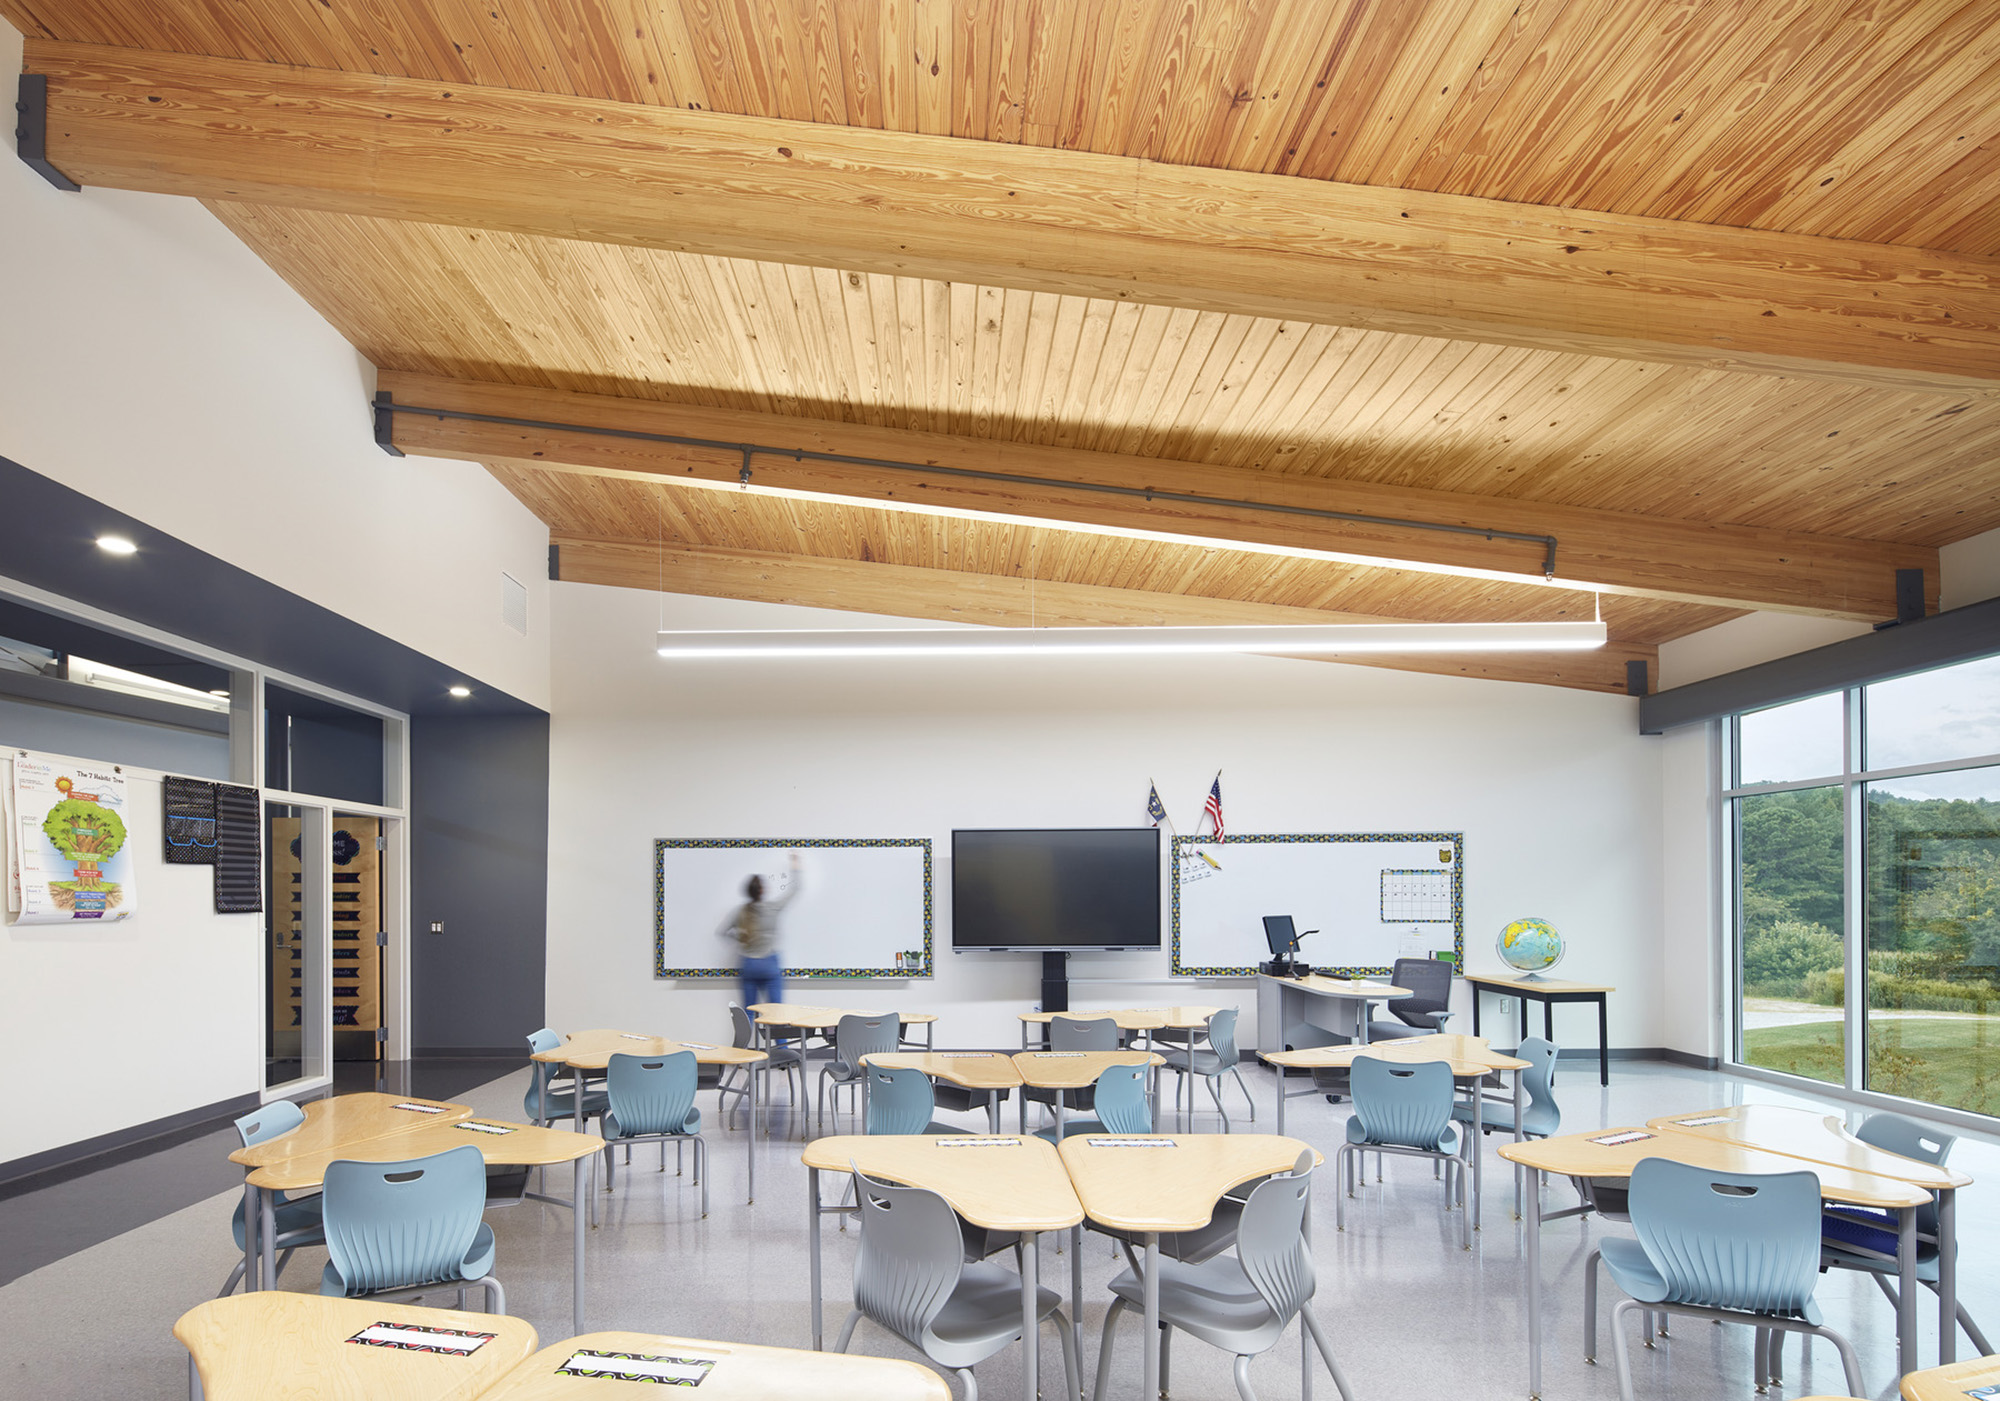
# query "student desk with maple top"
(979, 1071)
(1130, 1021)
(727, 1372)
(1154, 1184)
(1013, 1184)
(593, 1050)
(1613, 1153)
(1823, 1141)
(329, 1123)
(501, 1144)
(1071, 1070)
(277, 1344)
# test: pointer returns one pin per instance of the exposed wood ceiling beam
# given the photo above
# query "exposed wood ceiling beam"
(945, 595)
(1721, 565)
(994, 213)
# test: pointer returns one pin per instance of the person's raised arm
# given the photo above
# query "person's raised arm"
(791, 885)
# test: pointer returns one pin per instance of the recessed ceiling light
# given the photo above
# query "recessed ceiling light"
(116, 545)
(461, 691)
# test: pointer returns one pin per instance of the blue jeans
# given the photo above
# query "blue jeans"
(763, 980)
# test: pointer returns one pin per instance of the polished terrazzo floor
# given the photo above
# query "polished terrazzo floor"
(1411, 1314)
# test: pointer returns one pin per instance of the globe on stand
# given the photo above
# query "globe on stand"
(1530, 947)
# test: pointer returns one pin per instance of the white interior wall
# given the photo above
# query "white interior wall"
(1969, 572)
(150, 360)
(1556, 792)
(139, 1020)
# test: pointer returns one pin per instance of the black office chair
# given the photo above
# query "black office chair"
(1427, 1008)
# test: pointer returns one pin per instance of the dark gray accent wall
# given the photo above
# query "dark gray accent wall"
(479, 861)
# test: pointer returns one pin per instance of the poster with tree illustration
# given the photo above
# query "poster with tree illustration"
(73, 858)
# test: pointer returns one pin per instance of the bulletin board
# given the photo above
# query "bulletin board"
(1374, 896)
(863, 909)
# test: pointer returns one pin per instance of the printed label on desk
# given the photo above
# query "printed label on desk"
(963, 1055)
(979, 1143)
(686, 1369)
(697, 1045)
(474, 1126)
(1131, 1142)
(1984, 1391)
(419, 1108)
(1614, 1140)
(634, 1036)
(411, 1337)
(1059, 1055)
(1704, 1120)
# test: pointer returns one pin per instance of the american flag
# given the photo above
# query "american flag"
(1213, 807)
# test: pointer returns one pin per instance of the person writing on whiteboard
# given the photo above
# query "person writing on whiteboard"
(754, 927)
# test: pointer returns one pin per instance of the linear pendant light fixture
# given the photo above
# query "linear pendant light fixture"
(1333, 639)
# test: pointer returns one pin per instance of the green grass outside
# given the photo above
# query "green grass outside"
(1953, 1060)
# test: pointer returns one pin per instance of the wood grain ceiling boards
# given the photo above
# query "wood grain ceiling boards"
(1874, 120)
(1870, 120)
(1231, 391)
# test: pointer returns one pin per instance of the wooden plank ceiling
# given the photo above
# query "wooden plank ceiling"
(1873, 123)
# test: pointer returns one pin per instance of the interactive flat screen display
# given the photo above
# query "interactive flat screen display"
(1055, 888)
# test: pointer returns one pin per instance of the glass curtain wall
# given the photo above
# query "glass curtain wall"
(1865, 826)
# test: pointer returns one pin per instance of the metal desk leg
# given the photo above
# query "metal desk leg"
(267, 1212)
(1534, 1284)
(1472, 1144)
(812, 1238)
(1151, 1388)
(1059, 1115)
(1548, 1020)
(1518, 1136)
(576, 1088)
(1603, 1043)
(1281, 1099)
(1906, 1289)
(1478, 995)
(1947, 1200)
(1024, 1111)
(253, 1220)
(993, 1112)
(750, 1138)
(1524, 1019)
(582, 1180)
(194, 1380)
(1076, 1292)
(1031, 1342)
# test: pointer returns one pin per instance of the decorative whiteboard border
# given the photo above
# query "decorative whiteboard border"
(1455, 839)
(662, 845)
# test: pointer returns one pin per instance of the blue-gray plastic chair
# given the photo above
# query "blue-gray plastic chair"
(398, 1230)
(736, 1079)
(1404, 1109)
(1119, 1098)
(1428, 1007)
(911, 1277)
(1240, 1303)
(1854, 1238)
(297, 1218)
(1727, 1246)
(1541, 1116)
(856, 1036)
(544, 1105)
(1217, 1059)
(901, 1101)
(652, 1097)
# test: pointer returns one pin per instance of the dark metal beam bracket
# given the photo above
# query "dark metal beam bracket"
(386, 409)
(31, 134)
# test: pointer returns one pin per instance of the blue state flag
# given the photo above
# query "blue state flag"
(1155, 809)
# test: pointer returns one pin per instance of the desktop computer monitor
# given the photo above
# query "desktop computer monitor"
(1280, 934)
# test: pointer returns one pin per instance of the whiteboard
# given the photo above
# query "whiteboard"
(1374, 896)
(864, 904)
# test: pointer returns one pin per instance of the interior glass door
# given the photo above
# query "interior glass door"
(297, 991)
(356, 859)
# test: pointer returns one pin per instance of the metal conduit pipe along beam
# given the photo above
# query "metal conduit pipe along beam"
(386, 408)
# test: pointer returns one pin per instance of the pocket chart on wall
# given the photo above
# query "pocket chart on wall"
(67, 860)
